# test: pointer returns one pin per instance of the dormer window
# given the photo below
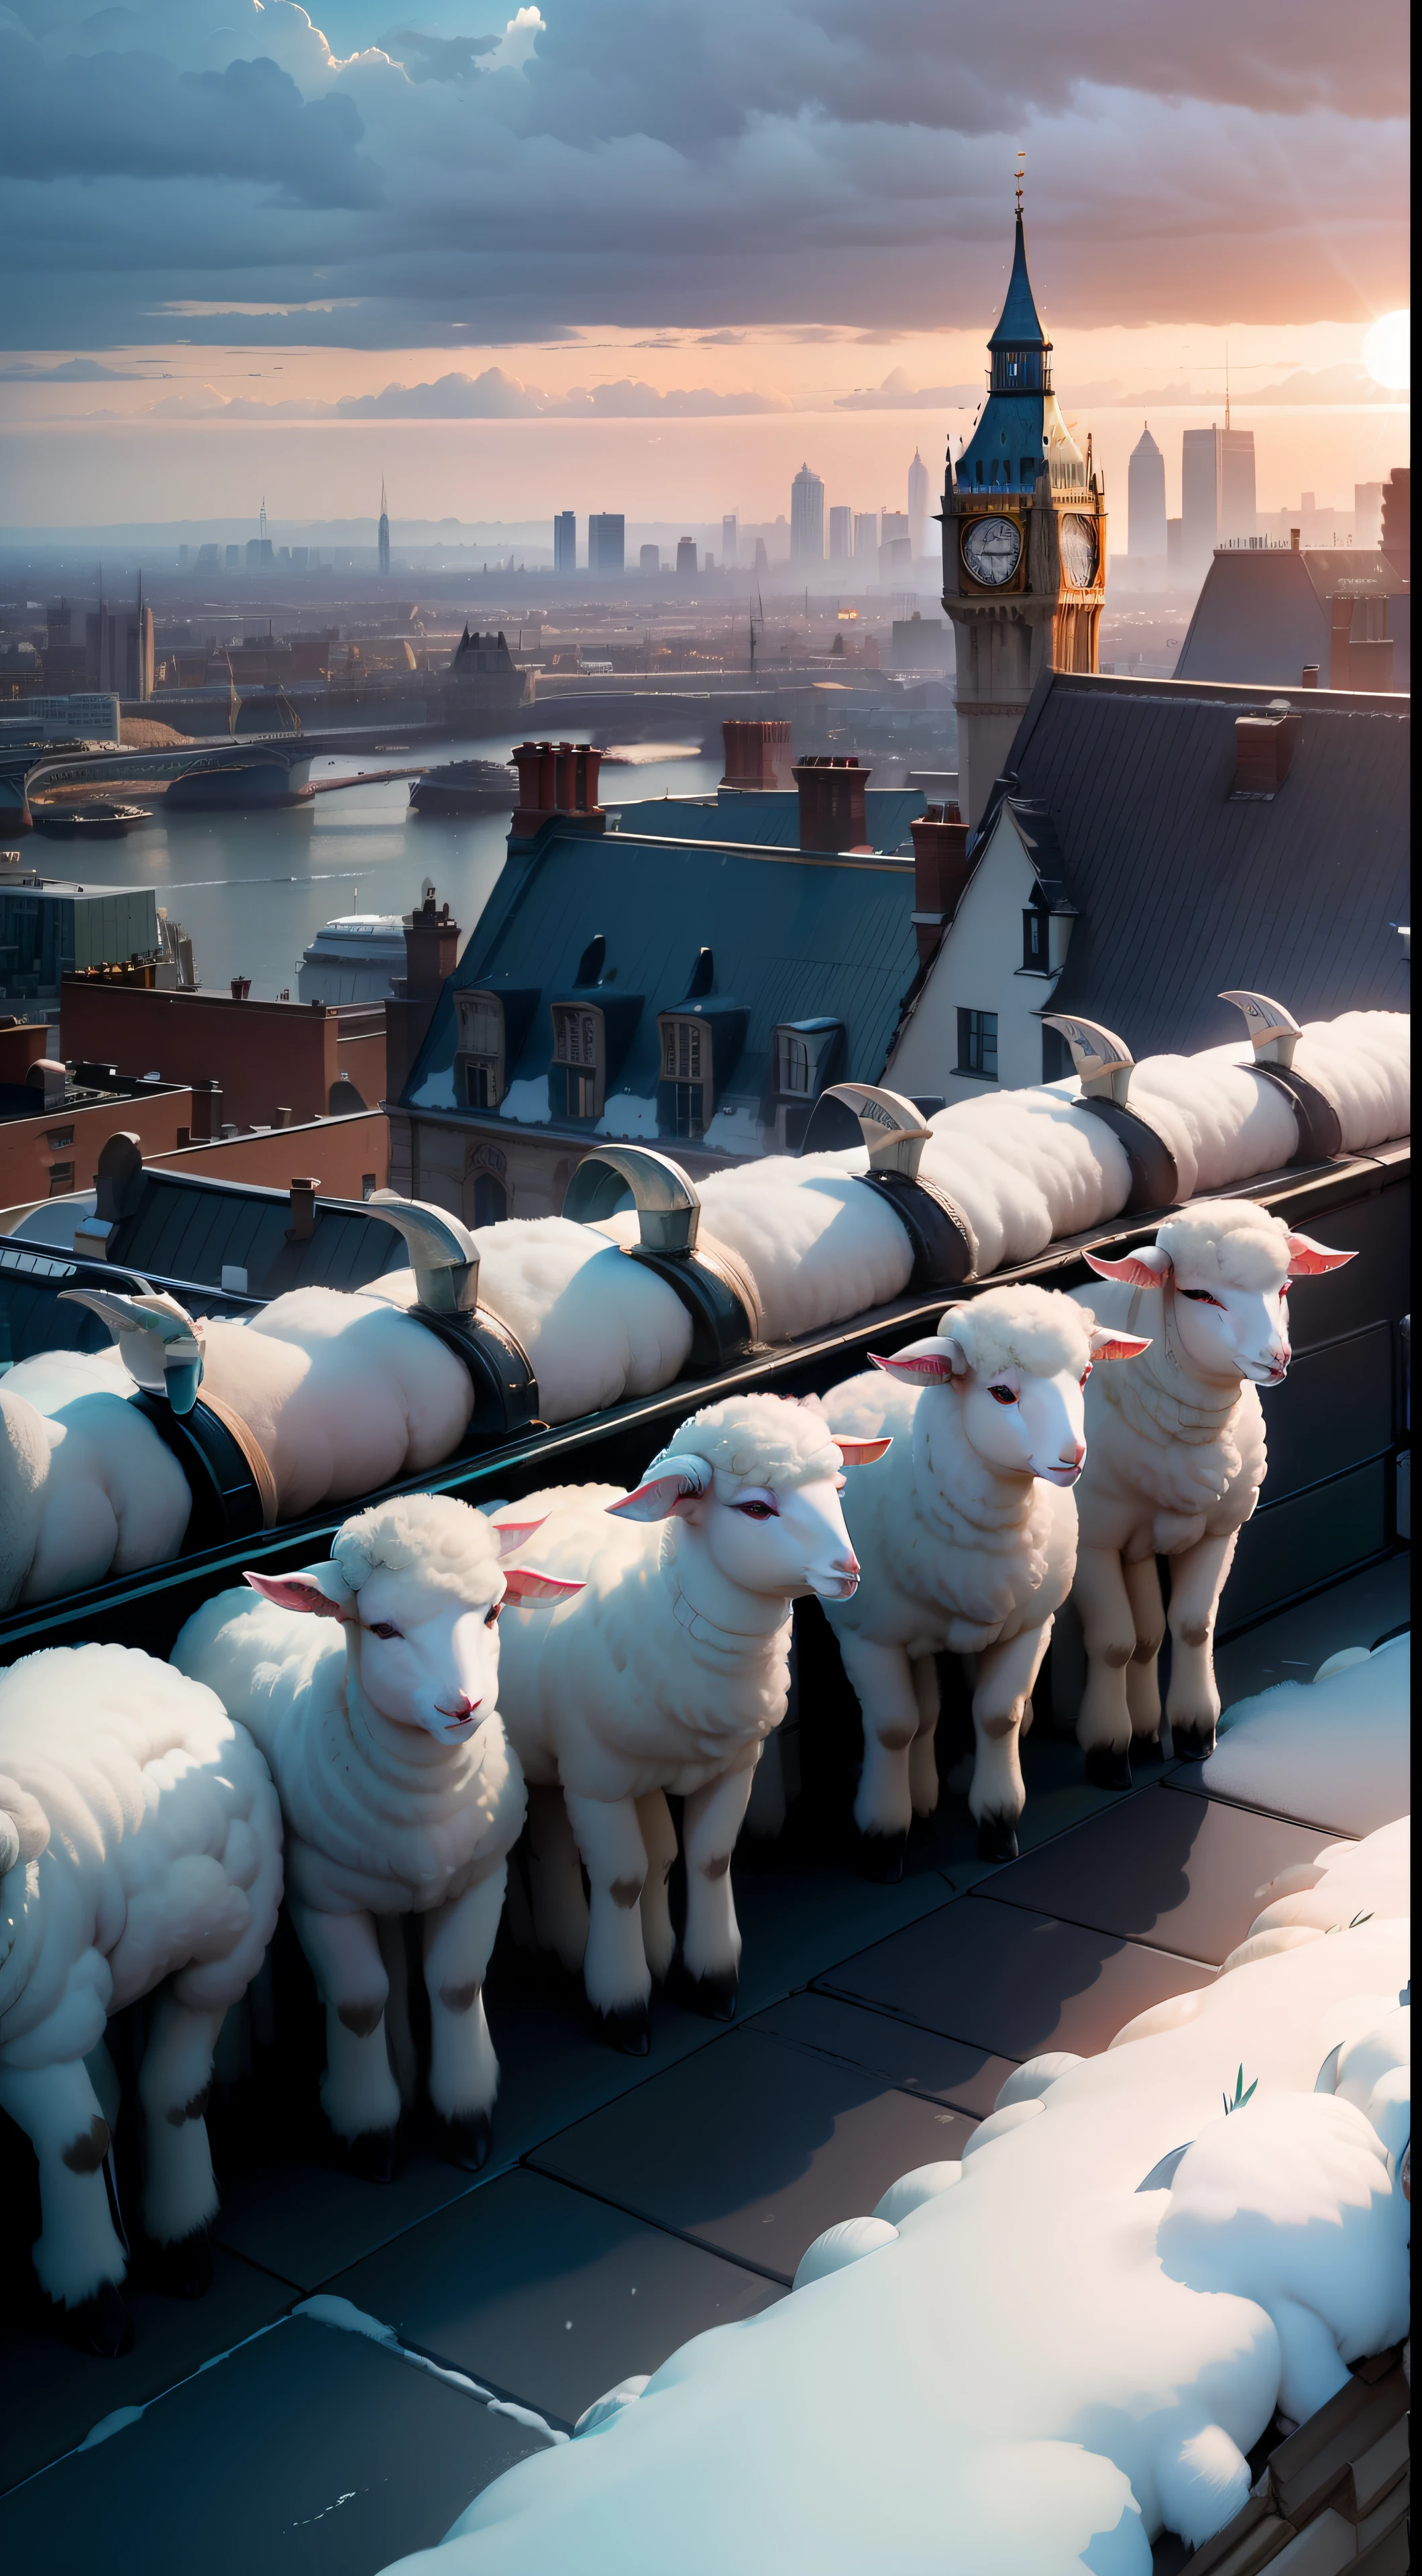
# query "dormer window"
(1034, 941)
(794, 1055)
(686, 1075)
(479, 1067)
(579, 1061)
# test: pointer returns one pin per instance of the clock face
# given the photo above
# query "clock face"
(1079, 552)
(992, 550)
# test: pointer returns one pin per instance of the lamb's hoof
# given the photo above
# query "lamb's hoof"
(102, 2324)
(628, 2029)
(714, 1995)
(183, 2269)
(881, 1857)
(997, 1838)
(371, 2156)
(465, 2140)
(1106, 1768)
(1192, 1743)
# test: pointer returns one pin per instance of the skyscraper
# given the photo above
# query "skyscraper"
(807, 518)
(686, 558)
(841, 536)
(607, 541)
(731, 540)
(565, 542)
(866, 537)
(1145, 492)
(918, 506)
(382, 536)
(1216, 491)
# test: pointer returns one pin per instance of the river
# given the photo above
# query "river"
(252, 890)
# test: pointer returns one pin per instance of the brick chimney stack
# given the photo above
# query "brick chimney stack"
(555, 778)
(832, 815)
(431, 949)
(757, 750)
(940, 872)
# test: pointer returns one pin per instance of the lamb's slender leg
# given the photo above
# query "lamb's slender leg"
(882, 1681)
(359, 2094)
(997, 1797)
(77, 2254)
(179, 2194)
(464, 2072)
(1103, 1728)
(711, 1950)
(923, 1762)
(560, 1909)
(615, 1971)
(1142, 1581)
(659, 1842)
(1197, 1578)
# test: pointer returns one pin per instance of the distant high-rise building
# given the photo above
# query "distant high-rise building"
(607, 541)
(234, 559)
(841, 535)
(1397, 518)
(762, 558)
(565, 542)
(686, 558)
(866, 537)
(895, 546)
(807, 518)
(1367, 513)
(1145, 496)
(731, 542)
(382, 536)
(918, 506)
(118, 649)
(650, 559)
(1216, 490)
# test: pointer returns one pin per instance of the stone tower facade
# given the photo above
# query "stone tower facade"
(1024, 545)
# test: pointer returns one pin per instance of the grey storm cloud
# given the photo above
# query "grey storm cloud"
(493, 395)
(828, 164)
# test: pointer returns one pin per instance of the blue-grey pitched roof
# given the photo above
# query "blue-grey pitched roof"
(1263, 612)
(770, 815)
(794, 936)
(1184, 891)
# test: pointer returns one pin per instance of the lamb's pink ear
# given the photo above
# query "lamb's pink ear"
(861, 1453)
(511, 1534)
(296, 1592)
(681, 1479)
(1116, 1346)
(915, 1368)
(1307, 1258)
(522, 1583)
(1139, 1269)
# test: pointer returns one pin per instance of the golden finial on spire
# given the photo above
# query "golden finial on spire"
(1019, 176)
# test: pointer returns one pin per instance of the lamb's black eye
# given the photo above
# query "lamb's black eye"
(1199, 1296)
(756, 1511)
(491, 1615)
(1002, 1395)
(382, 1628)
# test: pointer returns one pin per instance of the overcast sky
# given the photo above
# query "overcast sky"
(638, 208)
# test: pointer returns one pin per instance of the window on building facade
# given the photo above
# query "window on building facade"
(577, 1061)
(794, 1055)
(575, 1036)
(1034, 940)
(687, 1098)
(977, 1044)
(61, 1179)
(480, 1069)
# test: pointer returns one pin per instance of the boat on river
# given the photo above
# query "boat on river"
(466, 787)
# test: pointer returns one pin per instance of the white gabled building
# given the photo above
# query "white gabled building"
(975, 1021)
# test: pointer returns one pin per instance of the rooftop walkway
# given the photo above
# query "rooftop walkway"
(630, 2204)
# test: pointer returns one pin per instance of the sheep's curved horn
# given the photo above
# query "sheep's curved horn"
(443, 1253)
(666, 1199)
(1103, 1062)
(1149, 1268)
(671, 1479)
(1307, 1258)
(157, 1341)
(894, 1131)
(1273, 1032)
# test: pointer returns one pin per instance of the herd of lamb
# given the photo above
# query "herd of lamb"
(349, 1730)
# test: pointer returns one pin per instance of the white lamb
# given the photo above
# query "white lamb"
(1175, 1461)
(398, 1790)
(966, 1537)
(140, 1854)
(666, 1673)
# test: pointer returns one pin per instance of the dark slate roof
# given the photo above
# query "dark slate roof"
(1019, 327)
(768, 815)
(1263, 613)
(794, 936)
(1182, 891)
(187, 1228)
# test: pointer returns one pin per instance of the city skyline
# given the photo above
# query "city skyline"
(239, 230)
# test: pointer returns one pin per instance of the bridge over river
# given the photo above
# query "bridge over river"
(224, 774)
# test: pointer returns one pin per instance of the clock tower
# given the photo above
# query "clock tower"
(1024, 544)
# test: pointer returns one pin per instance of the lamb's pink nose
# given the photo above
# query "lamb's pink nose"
(1074, 1456)
(463, 1707)
(846, 1565)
